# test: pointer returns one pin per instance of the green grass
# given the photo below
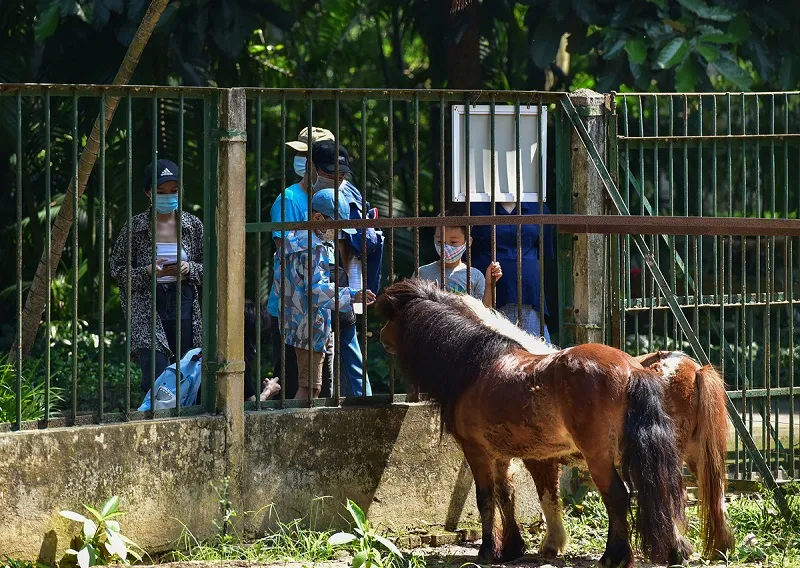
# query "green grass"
(762, 536)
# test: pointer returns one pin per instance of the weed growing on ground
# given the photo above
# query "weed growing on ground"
(298, 540)
(100, 542)
(366, 543)
(762, 536)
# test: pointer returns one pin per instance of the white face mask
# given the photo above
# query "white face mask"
(300, 165)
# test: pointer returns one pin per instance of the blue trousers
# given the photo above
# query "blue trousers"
(352, 364)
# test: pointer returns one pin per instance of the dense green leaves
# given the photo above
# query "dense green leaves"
(672, 53)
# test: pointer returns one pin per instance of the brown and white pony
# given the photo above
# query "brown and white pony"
(695, 400)
(501, 401)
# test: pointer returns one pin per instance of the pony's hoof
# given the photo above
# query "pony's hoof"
(548, 550)
(619, 556)
(681, 553)
(486, 554)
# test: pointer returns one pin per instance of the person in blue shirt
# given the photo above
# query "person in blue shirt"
(293, 202)
(506, 235)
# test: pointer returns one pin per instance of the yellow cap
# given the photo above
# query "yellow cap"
(317, 135)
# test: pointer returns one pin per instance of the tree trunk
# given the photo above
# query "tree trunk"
(39, 291)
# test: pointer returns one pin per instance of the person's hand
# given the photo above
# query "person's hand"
(494, 272)
(159, 269)
(172, 270)
(271, 388)
(370, 297)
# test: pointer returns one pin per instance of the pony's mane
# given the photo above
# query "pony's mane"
(499, 323)
(442, 347)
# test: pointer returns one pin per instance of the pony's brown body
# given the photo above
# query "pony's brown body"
(502, 401)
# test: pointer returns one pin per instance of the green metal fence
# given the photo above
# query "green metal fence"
(85, 370)
(720, 161)
(726, 155)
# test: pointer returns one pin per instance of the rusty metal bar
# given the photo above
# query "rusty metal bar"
(573, 223)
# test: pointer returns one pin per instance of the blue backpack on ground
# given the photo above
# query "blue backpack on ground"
(371, 242)
(191, 377)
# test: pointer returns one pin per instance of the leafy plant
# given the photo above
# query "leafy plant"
(100, 543)
(32, 393)
(366, 542)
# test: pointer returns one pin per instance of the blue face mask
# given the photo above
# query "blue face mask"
(166, 202)
(300, 165)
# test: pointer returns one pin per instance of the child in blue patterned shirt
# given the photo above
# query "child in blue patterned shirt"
(298, 283)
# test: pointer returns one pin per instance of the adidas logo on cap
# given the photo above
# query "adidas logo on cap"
(166, 172)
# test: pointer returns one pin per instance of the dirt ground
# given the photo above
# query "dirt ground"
(449, 556)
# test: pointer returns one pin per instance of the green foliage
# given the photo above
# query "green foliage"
(32, 392)
(100, 543)
(370, 548)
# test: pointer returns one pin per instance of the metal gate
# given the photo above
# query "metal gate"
(728, 299)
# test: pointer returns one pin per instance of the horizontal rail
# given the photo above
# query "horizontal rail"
(90, 418)
(145, 91)
(695, 95)
(707, 137)
(571, 223)
(711, 301)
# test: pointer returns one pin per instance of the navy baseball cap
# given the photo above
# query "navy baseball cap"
(324, 201)
(323, 154)
(166, 171)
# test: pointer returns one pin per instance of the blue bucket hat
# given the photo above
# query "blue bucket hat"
(324, 201)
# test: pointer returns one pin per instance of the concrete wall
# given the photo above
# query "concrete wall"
(389, 459)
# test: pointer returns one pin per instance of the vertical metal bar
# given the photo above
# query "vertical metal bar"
(792, 363)
(391, 213)
(642, 180)
(310, 266)
(654, 242)
(743, 303)
(416, 182)
(257, 371)
(102, 247)
(686, 192)
(467, 192)
(789, 289)
(518, 171)
(770, 293)
(210, 294)
(364, 316)
(18, 385)
(179, 279)
(337, 261)
(76, 263)
(699, 276)
(615, 281)
(541, 189)
(442, 206)
(282, 259)
(493, 175)
(626, 242)
(672, 247)
(153, 256)
(48, 227)
(128, 245)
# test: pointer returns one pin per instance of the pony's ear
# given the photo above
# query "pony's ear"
(386, 305)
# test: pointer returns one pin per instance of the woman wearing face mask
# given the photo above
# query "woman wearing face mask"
(171, 265)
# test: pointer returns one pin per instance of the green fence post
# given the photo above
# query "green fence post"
(230, 223)
(587, 198)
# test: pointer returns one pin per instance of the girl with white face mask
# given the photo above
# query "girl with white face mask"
(451, 244)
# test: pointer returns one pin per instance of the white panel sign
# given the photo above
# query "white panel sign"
(531, 156)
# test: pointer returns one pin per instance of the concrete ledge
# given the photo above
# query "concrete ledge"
(389, 459)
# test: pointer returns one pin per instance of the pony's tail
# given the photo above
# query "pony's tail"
(711, 434)
(651, 461)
